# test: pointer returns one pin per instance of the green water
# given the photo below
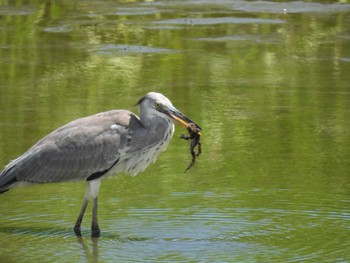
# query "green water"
(269, 84)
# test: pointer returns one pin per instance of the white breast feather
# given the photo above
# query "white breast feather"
(141, 160)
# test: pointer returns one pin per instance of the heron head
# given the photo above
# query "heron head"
(155, 104)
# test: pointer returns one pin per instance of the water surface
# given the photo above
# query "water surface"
(267, 81)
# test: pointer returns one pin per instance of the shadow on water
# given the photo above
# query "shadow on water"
(91, 245)
(91, 254)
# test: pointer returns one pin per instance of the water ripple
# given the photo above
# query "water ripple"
(218, 20)
(111, 49)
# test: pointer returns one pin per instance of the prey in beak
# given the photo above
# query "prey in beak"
(194, 133)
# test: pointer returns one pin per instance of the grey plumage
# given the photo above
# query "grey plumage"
(96, 147)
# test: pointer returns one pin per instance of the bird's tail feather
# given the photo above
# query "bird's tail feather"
(7, 178)
(1, 192)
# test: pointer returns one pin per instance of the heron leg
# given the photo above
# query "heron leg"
(80, 217)
(92, 190)
(95, 230)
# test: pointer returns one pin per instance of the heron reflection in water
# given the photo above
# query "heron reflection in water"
(96, 147)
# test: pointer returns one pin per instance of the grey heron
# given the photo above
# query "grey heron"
(96, 147)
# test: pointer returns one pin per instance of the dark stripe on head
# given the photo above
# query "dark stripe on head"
(141, 100)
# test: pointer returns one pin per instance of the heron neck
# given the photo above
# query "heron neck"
(155, 122)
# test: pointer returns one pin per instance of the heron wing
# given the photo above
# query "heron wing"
(75, 151)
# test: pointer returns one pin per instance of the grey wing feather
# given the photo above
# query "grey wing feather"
(72, 152)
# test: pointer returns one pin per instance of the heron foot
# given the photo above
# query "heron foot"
(77, 231)
(95, 231)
